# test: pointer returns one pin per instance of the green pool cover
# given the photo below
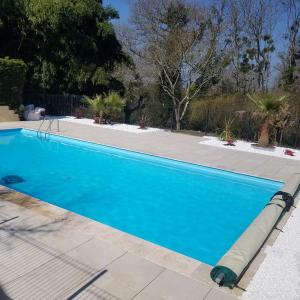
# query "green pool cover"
(233, 264)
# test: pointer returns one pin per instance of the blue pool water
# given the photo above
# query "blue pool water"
(194, 210)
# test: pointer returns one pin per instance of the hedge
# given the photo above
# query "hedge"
(12, 78)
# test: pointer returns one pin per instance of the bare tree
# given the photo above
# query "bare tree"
(182, 41)
(292, 56)
(240, 72)
(259, 18)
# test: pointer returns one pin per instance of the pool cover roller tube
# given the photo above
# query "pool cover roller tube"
(233, 264)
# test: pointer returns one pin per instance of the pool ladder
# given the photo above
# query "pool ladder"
(44, 134)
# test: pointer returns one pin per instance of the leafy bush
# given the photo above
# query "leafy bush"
(12, 78)
(208, 115)
(108, 107)
(226, 134)
(114, 104)
(96, 106)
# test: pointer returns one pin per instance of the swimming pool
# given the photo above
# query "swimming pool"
(194, 210)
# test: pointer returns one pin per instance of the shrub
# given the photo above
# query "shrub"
(226, 134)
(108, 107)
(208, 115)
(12, 78)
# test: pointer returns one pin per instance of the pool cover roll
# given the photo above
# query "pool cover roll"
(232, 265)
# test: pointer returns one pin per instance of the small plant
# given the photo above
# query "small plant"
(142, 122)
(227, 135)
(79, 112)
(97, 106)
(105, 107)
(289, 152)
(20, 111)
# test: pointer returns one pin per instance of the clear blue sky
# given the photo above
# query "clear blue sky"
(122, 6)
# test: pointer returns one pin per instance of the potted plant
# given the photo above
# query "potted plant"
(21, 109)
(267, 106)
(97, 106)
(142, 122)
(78, 112)
(226, 134)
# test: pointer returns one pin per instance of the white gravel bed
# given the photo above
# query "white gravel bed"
(278, 277)
(121, 127)
(248, 147)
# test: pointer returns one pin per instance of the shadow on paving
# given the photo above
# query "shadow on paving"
(3, 295)
(56, 274)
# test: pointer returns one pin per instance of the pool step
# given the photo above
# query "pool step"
(7, 114)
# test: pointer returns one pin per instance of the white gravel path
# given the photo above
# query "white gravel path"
(248, 147)
(121, 127)
(278, 277)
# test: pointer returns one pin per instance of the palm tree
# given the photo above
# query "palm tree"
(97, 106)
(267, 106)
(113, 104)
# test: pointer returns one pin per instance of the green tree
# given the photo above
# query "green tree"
(134, 91)
(12, 78)
(69, 46)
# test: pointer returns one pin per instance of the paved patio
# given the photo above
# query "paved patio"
(47, 252)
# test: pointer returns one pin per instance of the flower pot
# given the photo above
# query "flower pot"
(229, 143)
(97, 120)
(78, 113)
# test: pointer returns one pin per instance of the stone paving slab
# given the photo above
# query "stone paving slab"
(23, 289)
(6, 275)
(89, 253)
(170, 285)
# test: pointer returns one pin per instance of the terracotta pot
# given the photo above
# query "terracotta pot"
(229, 143)
(97, 120)
(78, 113)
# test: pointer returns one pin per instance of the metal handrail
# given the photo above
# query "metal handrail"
(39, 131)
(49, 128)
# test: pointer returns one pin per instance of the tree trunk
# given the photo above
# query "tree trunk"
(263, 140)
(177, 118)
(127, 115)
(128, 110)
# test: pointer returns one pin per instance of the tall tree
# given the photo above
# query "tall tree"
(240, 71)
(181, 40)
(291, 59)
(69, 46)
(134, 90)
(259, 17)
